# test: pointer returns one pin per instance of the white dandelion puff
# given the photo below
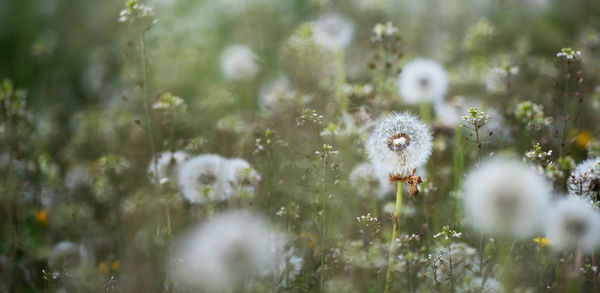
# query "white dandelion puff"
(422, 81)
(203, 178)
(506, 197)
(242, 178)
(239, 63)
(573, 223)
(333, 32)
(364, 179)
(167, 167)
(585, 180)
(66, 256)
(287, 261)
(218, 255)
(398, 144)
(276, 92)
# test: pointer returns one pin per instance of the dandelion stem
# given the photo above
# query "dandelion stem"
(388, 275)
(425, 111)
(565, 107)
(340, 79)
(459, 160)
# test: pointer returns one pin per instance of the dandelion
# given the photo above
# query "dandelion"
(399, 144)
(167, 166)
(276, 92)
(333, 32)
(221, 254)
(287, 262)
(366, 183)
(239, 63)
(242, 178)
(203, 179)
(505, 197)
(422, 81)
(65, 256)
(572, 223)
(585, 180)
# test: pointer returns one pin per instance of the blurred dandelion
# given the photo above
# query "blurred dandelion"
(505, 197)
(572, 223)
(422, 81)
(203, 179)
(333, 32)
(168, 165)
(239, 63)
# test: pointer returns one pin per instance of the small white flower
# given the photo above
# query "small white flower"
(218, 255)
(572, 223)
(367, 183)
(333, 32)
(422, 81)
(239, 63)
(585, 180)
(167, 165)
(398, 144)
(203, 178)
(506, 197)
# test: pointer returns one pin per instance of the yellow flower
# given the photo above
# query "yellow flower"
(42, 217)
(104, 267)
(543, 241)
(115, 265)
(582, 138)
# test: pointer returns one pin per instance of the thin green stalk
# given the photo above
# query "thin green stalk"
(340, 79)
(425, 111)
(323, 225)
(459, 160)
(451, 268)
(388, 275)
(147, 110)
(566, 109)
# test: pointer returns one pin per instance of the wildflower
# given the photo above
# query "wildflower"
(572, 223)
(333, 32)
(169, 102)
(220, 254)
(167, 166)
(569, 54)
(422, 80)
(381, 31)
(366, 183)
(585, 180)
(505, 197)
(136, 12)
(42, 217)
(532, 114)
(203, 178)
(464, 259)
(399, 144)
(542, 241)
(242, 178)
(239, 63)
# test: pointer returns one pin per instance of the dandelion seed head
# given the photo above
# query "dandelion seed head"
(398, 144)
(242, 178)
(204, 178)
(573, 223)
(505, 197)
(168, 165)
(65, 256)
(224, 251)
(585, 179)
(239, 63)
(333, 32)
(422, 81)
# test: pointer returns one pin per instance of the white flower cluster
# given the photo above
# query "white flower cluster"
(136, 12)
(569, 54)
(384, 30)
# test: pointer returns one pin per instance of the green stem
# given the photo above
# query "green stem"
(388, 275)
(459, 160)
(340, 79)
(147, 110)
(425, 111)
(324, 226)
